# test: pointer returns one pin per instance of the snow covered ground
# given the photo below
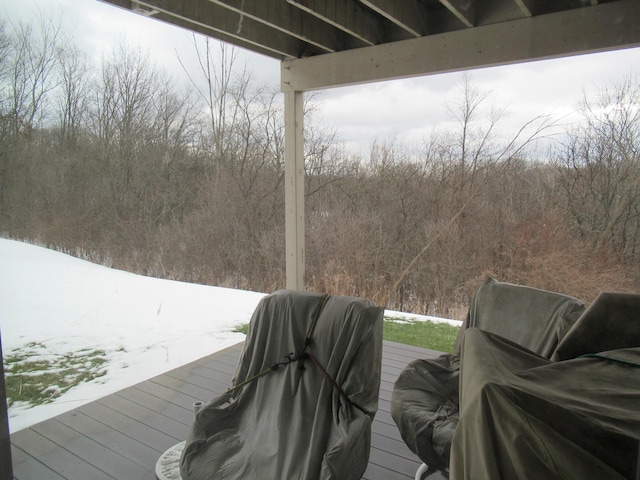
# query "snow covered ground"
(57, 305)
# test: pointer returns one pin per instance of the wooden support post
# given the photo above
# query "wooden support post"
(294, 189)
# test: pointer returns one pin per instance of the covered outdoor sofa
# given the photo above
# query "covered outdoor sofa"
(304, 394)
(539, 388)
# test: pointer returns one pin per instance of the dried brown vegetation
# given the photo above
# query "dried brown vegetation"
(118, 165)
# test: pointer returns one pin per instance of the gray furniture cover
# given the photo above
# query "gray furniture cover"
(525, 417)
(533, 318)
(611, 322)
(286, 418)
(424, 402)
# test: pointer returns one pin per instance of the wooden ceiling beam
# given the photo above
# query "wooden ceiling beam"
(464, 10)
(210, 19)
(526, 6)
(410, 15)
(346, 15)
(290, 20)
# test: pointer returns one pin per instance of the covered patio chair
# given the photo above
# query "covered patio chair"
(425, 398)
(524, 416)
(304, 394)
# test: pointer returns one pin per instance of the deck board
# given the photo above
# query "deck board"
(121, 436)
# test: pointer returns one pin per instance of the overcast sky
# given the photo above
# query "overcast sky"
(405, 110)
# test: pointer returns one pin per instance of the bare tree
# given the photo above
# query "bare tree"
(122, 107)
(103, 111)
(35, 52)
(6, 90)
(472, 141)
(174, 117)
(215, 80)
(599, 168)
(470, 164)
(28, 58)
(73, 94)
(5, 72)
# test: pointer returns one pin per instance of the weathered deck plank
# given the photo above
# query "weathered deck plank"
(122, 435)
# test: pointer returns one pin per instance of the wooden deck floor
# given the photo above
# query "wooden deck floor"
(122, 435)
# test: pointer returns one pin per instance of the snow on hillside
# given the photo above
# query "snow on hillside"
(53, 305)
(145, 325)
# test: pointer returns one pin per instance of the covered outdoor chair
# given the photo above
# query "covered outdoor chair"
(304, 394)
(425, 398)
(524, 416)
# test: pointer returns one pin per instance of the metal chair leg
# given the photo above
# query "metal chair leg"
(422, 469)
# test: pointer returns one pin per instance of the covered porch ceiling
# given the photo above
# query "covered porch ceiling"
(323, 44)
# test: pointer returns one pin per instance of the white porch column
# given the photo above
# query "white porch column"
(294, 189)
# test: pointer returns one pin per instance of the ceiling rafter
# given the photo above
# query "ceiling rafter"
(527, 6)
(293, 21)
(347, 15)
(464, 10)
(410, 15)
(211, 19)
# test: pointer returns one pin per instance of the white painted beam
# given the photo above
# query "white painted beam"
(294, 190)
(606, 26)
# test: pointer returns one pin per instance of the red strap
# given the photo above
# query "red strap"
(334, 383)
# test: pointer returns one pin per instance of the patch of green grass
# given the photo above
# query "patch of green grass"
(34, 377)
(242, 328)
(436, 336)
